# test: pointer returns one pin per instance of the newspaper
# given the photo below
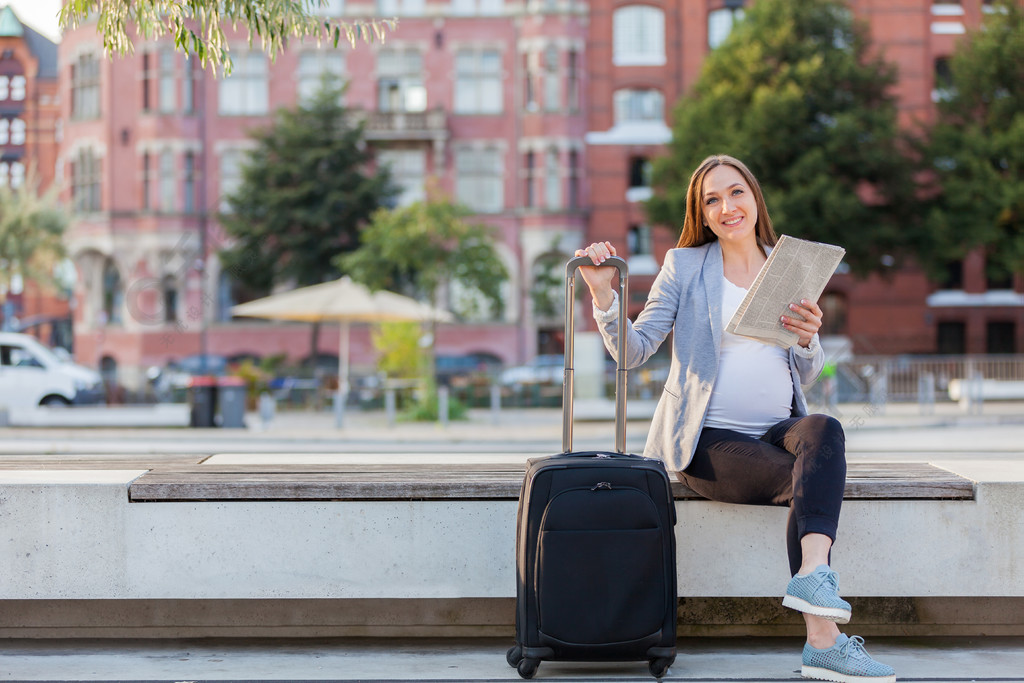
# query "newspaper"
(796, 269)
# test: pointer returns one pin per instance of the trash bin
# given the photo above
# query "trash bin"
(231, 402)
(202, 399)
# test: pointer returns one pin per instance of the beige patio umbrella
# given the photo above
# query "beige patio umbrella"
(345, 302)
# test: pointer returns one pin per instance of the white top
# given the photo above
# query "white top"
(753, 389)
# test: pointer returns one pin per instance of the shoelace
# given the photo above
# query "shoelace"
(832, 580)
(853, 647)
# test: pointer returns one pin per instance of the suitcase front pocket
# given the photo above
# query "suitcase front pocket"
(601, 567)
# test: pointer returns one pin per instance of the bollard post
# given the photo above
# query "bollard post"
(495, 403)
(442, 405)
(389, 406)
(267, 408)
(926, 393)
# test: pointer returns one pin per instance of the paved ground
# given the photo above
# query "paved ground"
(892, 432)
(712, 660)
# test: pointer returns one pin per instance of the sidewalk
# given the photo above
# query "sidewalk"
(717, 660)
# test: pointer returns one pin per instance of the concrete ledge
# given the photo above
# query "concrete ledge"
(158, 415)
(74, 544)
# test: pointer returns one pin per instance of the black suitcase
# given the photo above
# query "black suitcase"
(595, 543)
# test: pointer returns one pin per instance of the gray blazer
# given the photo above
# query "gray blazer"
(687, 297)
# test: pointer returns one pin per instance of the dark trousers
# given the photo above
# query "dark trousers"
(800, 462)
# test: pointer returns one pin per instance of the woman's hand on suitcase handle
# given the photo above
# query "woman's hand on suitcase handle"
(599, 278)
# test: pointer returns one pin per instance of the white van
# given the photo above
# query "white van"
(32, 375)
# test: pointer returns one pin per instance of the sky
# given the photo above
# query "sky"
(39, 14)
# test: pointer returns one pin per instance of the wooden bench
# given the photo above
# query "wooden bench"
(501, 481)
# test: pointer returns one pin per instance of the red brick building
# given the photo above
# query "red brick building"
(29, 115)
(542, 115)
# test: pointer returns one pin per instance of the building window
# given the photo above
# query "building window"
(244, 92)
(572, 89)
(552, 180)
(531, 162)
(639, 172)
(170, 297)
(167, 80)
(552, 80)
(400, 81)
(113, 293)
(231, 161)
(1000, 336)
(479, 179)
(408, 169)
(327, 8)
(5, 131)
(478, 82)
(18, 132)
(529, 76)
(720, 23)
(314, 67)
(5, 88)
(482, 7)
(189, 194)
(147, 78)
(12, 174)
(146, 171)
(85, 182)
(942, 88)
(954, 275)
(639, 106)
(18, 88)
(639, 36)
(85, 88)
(574, 179)
(407, 8)
(166, 181)
(638, 240)
(952, 338)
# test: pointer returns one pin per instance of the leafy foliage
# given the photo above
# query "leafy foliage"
(976, 148)
(426, 248)
(794, 94)
(398, 346)
(306, 193)
(31, 229)
(198, 25)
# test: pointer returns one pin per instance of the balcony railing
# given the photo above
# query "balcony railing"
(404, 125)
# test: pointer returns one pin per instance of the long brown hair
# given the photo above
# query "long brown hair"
(695, 233)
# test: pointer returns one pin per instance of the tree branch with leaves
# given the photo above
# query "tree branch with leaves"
(198, 26)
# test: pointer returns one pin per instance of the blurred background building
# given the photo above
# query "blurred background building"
(541, 115)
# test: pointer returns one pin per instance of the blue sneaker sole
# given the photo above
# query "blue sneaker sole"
(840, 616)
(820, 674)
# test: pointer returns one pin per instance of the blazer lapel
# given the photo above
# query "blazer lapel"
(711, 273)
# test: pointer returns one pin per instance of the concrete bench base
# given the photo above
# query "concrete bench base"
(78, 557)
(473, 618)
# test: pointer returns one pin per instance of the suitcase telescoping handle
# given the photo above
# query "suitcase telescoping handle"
(620, 361)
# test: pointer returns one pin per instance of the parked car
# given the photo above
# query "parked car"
(454, 368)
(32, 374)
(170, 381)
(546, 368)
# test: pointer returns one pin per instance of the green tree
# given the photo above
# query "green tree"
(976, 147)
(198, 25)
(398, 346)
(31, 228)
(306, 193)
(795, 94)
(429, 248)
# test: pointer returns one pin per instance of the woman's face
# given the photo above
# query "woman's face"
(729, 207)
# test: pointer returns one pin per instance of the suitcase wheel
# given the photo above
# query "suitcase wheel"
(514, 656)
(659, 666)
(528, 667)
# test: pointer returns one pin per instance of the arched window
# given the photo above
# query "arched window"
(639, 36)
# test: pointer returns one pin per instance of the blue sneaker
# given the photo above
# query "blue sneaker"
(817, 593)
(845, 662)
